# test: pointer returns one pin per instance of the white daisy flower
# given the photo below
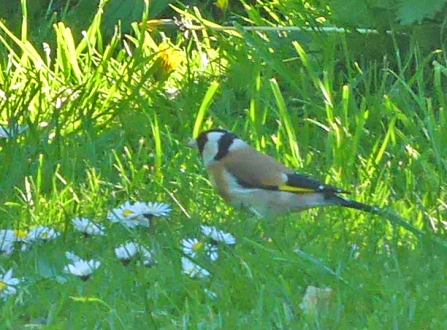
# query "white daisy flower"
(72, 257)
(80, 267)
(157, 209)
(193, 270)
(88, 227)
(11, 239)
(129, 215)
(130, 250)
(6, 248)
(150, 209)
(7, 239)
(8, 284)
(12, 131)
(7, 235)
(127, 251)
(123, 211)
(43, 233)
(147, 257)
(212, 252)
(192, 247)
(218, 235)
(138, 214)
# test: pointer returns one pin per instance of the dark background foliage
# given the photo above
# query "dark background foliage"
(423, 20)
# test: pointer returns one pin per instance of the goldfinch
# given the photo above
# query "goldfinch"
(246, 177)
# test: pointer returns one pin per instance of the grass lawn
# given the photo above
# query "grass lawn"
(91, 123)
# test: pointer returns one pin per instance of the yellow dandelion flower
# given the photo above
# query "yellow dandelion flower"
(170, 57)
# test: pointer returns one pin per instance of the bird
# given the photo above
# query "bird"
(246, 177)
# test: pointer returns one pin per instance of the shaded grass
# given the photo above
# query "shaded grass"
(103, 130)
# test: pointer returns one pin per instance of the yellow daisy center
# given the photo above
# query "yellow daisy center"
(127, 213)
(197, 246)
(20, 233)
(3, 285)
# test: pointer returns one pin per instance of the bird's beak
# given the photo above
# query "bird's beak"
(192, 143)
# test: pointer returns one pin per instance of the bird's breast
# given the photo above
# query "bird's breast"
(222, 181)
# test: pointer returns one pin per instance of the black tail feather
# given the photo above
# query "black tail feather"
(346, 202)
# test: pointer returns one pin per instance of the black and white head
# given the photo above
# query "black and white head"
(215, 144)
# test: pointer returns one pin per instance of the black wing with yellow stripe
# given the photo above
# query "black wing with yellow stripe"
(297, 183)
(301, 183)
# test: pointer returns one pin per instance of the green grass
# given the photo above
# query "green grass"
(103, 130)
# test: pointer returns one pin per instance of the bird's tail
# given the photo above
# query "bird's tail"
(346, 202)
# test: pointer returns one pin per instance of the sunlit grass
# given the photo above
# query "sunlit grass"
(108, 122)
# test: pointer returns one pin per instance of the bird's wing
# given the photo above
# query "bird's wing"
(297, 182)
(256, 170)
(272, 175)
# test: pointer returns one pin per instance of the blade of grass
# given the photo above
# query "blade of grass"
(206, 102)
(286, 121)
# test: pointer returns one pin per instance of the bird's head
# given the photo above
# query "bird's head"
(214, 144)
